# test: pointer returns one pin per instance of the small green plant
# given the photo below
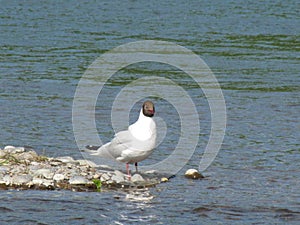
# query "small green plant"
(98, 184)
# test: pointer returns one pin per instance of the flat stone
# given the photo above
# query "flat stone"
(78, 180)
(193, 174)
(66, 159)
(21, 179)
(55, 163)
(84, 162)
(104, 177)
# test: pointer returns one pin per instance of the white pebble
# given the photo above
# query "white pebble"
(193, 174)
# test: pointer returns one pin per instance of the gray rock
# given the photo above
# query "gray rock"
(66, 159)
(3, 169)
(27, 156)
(21, 179)
(118, 177)
(78, 180)
(7, 179)
(84, 162)
(104, 177)
(18, 169)
(44, 173)
(137, 178)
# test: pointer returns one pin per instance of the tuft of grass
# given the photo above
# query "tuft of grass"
(9, 159)
(98, 184)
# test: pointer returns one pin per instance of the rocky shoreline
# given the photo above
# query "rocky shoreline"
(22, 168)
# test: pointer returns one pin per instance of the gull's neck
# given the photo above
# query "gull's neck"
(143, 128)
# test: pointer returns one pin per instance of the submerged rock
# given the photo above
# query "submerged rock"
(193, 174)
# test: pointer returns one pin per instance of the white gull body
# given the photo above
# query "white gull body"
(132, 145)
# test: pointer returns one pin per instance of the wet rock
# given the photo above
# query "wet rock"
(193, 174)
(137, 178)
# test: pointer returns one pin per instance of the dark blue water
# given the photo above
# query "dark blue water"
(251, 47)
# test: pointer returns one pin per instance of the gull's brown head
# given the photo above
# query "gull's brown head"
(148, 109)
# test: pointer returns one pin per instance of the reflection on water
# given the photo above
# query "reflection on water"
(139, 195)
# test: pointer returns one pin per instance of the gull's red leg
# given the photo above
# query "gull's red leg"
(128, 171)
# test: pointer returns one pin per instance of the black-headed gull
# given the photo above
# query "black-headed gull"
(132, 145)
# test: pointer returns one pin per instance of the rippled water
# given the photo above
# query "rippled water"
(252, 48)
